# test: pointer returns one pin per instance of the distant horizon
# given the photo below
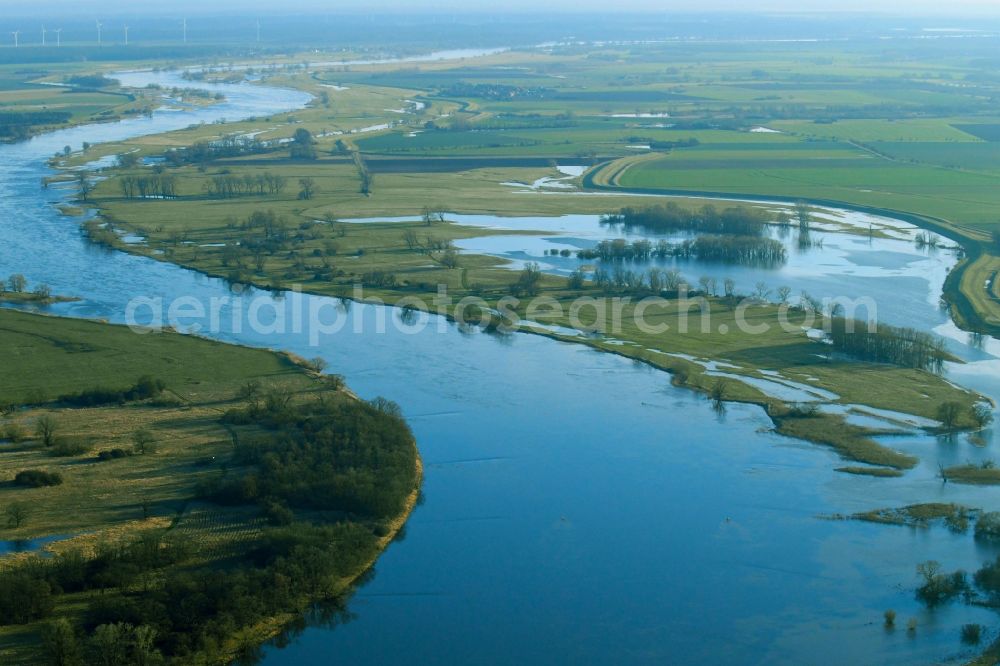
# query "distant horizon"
(959, 9)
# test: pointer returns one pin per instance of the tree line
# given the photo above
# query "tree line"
(364, 173)
(653, 281)
(234, 145)
(157, 185)
(746, 250)
(906, 347)
(743, 250)
(736, 220)
(16, 125)
(229, 186)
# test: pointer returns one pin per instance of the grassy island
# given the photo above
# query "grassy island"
(190, 498)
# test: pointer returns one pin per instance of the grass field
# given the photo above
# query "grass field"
(47, 357)
(79, 355)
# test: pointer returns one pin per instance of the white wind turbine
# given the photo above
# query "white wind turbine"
(126, 35)
(43, 35)
(184, 29)
(58, 32)
(17, 36)
(99, 26)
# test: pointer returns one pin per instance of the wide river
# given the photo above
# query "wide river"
(579, 509)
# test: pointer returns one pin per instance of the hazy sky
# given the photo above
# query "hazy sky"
(898, 7)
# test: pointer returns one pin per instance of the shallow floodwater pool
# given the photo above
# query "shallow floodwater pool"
(578, 508)
(29, 545)
(903, 280)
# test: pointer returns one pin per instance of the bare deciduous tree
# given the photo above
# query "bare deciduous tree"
(17, 283)
(307, 188)
(144, 442)
(17, 515)
(411, 239)
(45, 428)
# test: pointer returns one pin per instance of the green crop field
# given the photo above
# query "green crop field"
(966, 199)
(980, 156)
(918, 129)
(984, 131)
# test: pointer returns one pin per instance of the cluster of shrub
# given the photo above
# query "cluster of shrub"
(112, 454)
(145, 387)
(36, 478)
(939, 587)
(265, 235)
(102, 231)
(742, 250)
(197, 92)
